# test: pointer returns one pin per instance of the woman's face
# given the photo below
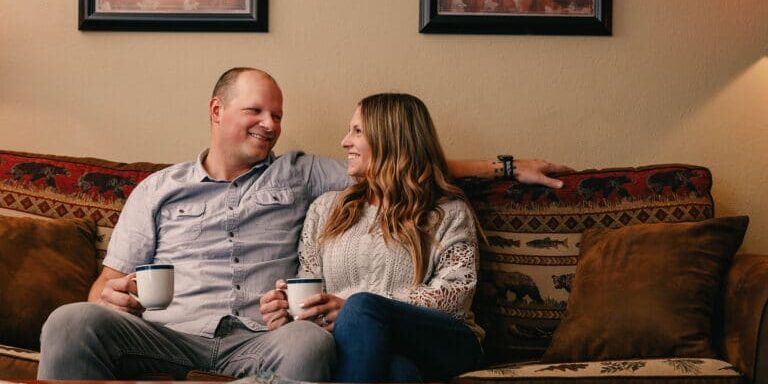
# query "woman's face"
(357, 147)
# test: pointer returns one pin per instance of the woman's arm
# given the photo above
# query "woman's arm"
(450, 284)
(273, 305)
(310, 260)
(453, 282)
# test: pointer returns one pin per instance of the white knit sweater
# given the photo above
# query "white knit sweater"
(360, 261)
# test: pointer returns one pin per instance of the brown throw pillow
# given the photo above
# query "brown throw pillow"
(43, 264)
(646, 290)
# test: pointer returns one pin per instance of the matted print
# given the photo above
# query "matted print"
(174, 15)
(560, 17)
(517, 7)
(174, 6)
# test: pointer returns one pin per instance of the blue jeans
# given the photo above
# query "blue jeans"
(385, 340)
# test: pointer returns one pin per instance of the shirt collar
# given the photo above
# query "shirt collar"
(202, 175)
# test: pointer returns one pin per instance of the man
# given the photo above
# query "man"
(229, 223)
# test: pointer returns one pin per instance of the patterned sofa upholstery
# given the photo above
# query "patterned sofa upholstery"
(527, 264)
(529, 260)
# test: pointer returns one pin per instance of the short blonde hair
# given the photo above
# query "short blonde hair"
(226, 83)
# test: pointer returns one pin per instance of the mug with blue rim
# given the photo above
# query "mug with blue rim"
(154, 283)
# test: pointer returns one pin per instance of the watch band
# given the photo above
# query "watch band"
(508, 162)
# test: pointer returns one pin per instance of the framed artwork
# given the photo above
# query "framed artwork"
(540, 17)
(173, 15)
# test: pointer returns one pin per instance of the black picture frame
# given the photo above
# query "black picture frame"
(254, 21)
(431, 21)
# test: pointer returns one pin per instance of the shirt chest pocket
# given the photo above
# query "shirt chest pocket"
(274, 208)
(182, 223)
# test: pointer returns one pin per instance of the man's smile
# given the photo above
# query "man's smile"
(259, 136)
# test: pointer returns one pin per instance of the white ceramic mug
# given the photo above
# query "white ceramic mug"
(154, 283)
(299, 290)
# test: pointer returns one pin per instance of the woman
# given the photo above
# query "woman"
(397, 250)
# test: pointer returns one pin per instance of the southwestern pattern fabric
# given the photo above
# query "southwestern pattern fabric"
(653, 370)
(50, 186)
(533, 237)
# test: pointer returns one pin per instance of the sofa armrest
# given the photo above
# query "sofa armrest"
(746, 316)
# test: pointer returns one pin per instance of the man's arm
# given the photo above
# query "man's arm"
(331, 175)
(113, 288)
(525, 171)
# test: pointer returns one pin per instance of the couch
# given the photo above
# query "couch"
(533, 296)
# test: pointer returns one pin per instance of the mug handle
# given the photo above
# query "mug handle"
(135, 296)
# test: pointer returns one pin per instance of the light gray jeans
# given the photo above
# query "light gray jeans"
(90, 341)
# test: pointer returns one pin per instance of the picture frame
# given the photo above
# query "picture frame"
(539, 17)
(174, 15)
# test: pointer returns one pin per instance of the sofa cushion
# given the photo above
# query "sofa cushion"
(647, 290)
(667, 370)
(44, 263)
(39, 185)
(534, 235)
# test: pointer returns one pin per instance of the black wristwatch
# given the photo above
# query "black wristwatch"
(508, 161)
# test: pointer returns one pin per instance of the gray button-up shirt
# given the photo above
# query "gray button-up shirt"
(228, 241)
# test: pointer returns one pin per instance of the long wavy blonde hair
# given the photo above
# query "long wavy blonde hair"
(407, 176)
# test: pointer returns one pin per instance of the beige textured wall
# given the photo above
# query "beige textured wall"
(679, 81)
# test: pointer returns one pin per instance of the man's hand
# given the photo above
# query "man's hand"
(536, 171)
(116, 294)
(273, 306)
(324, 308)
(526, 171)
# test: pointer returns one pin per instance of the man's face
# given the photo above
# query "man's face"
(249, 122)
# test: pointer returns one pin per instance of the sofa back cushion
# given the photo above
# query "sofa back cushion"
(43, 264)
(534, 233)
(59, 187)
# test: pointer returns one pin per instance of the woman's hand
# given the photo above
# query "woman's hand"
(273, 306)
(324, 308)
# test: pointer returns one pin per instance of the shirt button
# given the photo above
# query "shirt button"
(235, 183)
(231, 234)
(181, 211)
(237, 260)
(231, 208)
(237, 313)
(238, 287)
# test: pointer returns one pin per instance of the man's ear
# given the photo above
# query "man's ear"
(214, 109)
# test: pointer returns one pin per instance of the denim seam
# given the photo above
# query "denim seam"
(167, 359)
(257, 355)
(214, 354)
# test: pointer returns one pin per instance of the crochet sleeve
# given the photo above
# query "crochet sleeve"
(310, 260)
(451, 285)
